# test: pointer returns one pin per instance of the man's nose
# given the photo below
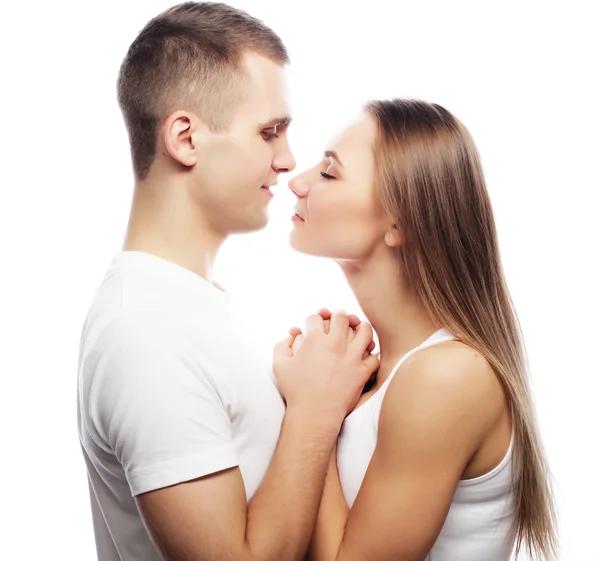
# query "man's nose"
(284, 162)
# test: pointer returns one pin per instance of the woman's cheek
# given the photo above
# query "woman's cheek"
(320, 206)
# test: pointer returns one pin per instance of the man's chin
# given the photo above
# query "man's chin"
(250, 227)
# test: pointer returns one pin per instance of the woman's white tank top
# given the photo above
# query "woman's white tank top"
(479, 523)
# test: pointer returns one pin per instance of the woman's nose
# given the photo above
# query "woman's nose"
(299, 185)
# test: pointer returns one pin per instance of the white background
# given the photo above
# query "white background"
(523, 77)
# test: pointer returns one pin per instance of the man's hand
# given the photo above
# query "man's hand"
(328, 370)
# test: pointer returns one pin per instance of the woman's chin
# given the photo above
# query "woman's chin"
(303, 246)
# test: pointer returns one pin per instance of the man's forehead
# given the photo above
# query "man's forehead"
(265, 76)
(266, 88)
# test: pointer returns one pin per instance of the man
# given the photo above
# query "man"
(191, 453)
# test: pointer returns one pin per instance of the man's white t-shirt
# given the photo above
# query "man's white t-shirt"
(172, 387)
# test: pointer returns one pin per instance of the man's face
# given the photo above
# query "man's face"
(236, 168)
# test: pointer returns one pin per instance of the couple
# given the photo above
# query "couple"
(428, 450)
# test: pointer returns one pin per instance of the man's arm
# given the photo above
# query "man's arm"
(208, 519)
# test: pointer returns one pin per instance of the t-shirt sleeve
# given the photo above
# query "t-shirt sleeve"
(155, 406)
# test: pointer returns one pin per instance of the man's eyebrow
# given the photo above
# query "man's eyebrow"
(333, 154)
(277, 122)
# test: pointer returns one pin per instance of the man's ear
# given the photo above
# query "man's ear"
(393, 236)
(178, 137)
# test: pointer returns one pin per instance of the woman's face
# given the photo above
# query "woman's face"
(338, 214)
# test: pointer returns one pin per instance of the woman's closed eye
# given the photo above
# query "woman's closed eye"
(325, 175)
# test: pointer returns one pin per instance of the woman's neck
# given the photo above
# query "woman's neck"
(399, 320)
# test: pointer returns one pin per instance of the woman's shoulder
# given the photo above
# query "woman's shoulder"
(449, 364)
(445, 382)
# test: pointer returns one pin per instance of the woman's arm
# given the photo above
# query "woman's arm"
(436, 413)
(332, 517)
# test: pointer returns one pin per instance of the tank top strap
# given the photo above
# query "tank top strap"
(440, 336)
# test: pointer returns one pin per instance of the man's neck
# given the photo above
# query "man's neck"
(170, 227)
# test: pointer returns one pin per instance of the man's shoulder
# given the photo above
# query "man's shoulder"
(188, 338)
(139, 317)
(133, 304)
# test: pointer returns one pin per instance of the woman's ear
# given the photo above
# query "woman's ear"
(393, 237)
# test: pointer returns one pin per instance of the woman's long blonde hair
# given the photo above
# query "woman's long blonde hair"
(431, 183)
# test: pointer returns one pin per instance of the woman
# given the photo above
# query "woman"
(441, 458)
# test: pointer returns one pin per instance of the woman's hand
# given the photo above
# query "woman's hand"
(298, 336)
(325, 374)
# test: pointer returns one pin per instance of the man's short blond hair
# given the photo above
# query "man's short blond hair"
(188, 58)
